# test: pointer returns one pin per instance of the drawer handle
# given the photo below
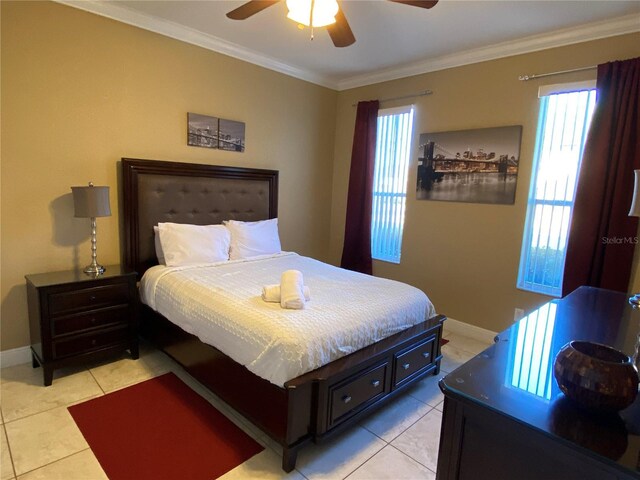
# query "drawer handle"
(406, 366)
(426, 354)
(346, 398)
(93, 342)
(92, 297)
(93, 319)
(375, 383)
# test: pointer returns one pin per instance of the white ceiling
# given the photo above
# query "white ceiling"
(392, 40)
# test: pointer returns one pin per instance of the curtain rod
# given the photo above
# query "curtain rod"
(525, 78)
(419, 94)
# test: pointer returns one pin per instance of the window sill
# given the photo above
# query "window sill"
(386, 260)
(540, 291)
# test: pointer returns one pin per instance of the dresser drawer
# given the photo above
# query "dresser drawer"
(87, 343)
(88, 298)
(92, 319)
(413, 361)
(357, 391)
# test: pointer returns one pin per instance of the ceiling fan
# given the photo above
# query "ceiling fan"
(316, 13)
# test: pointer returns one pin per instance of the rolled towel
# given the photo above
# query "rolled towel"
(271, 293)
(292, 290)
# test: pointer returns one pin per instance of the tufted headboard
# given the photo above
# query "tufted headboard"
(157, 191)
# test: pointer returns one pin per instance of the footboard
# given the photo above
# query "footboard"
(315, 405)
(348, 389)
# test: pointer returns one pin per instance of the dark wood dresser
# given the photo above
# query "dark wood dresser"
(75, 318)
(506, 418)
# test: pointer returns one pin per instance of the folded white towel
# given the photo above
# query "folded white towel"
(292, 290)
(271, 293)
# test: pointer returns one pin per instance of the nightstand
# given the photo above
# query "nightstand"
(76, 318)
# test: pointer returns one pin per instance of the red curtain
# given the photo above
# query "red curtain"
(356, 252)
(602, 236)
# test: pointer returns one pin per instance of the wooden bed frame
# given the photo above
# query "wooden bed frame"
(312, 406)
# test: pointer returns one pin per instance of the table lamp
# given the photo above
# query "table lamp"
(91, 202)
(634, 211)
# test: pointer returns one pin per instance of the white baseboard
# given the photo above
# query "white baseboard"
(16, 356)
(468, 330)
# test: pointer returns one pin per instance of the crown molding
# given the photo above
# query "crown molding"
(558, 38)
(534, 43)
(112, 10)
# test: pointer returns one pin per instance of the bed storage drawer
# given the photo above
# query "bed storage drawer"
(413, 361)
(355, 392)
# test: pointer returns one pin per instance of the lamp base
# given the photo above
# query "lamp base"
(635, 300)
(94, 269)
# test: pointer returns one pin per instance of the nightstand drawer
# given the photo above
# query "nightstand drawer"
(95, 318)
(357, 391)
(413, 361)
(88, 298)
(87, 343)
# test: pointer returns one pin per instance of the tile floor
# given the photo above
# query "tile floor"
(40, 440)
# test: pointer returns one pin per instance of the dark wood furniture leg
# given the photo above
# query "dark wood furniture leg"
(289, 458)
(47, 370)
(48, 375)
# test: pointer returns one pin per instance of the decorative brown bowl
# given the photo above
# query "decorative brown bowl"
(596, 377)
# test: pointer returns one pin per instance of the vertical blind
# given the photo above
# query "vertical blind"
(562, 130)
(393, 147)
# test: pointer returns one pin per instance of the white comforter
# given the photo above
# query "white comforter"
(221, 305)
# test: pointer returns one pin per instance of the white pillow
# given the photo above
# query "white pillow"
(159, 252)
(249, 239)
(185, 244)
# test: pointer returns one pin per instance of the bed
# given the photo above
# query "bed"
(312, 406)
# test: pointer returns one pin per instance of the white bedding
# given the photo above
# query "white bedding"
(221, 304)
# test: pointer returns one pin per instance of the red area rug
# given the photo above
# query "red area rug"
(443, 341)
(161, 430)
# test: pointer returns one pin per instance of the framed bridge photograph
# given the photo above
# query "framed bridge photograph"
(474, 166)
(231, 135)
(213, 132)
(202, 130)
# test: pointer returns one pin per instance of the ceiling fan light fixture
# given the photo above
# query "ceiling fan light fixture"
(324, 12)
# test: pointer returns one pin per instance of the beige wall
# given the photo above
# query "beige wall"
(80, 91)
(465, 256)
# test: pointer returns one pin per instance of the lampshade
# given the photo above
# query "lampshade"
(324, 12)
(635, 202)
(91, 201)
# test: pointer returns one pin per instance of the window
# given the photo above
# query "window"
(565, 115)
(390, 182)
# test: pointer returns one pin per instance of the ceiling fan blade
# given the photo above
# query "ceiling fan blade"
(250, 8)
(340, 32)
(417, 3)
